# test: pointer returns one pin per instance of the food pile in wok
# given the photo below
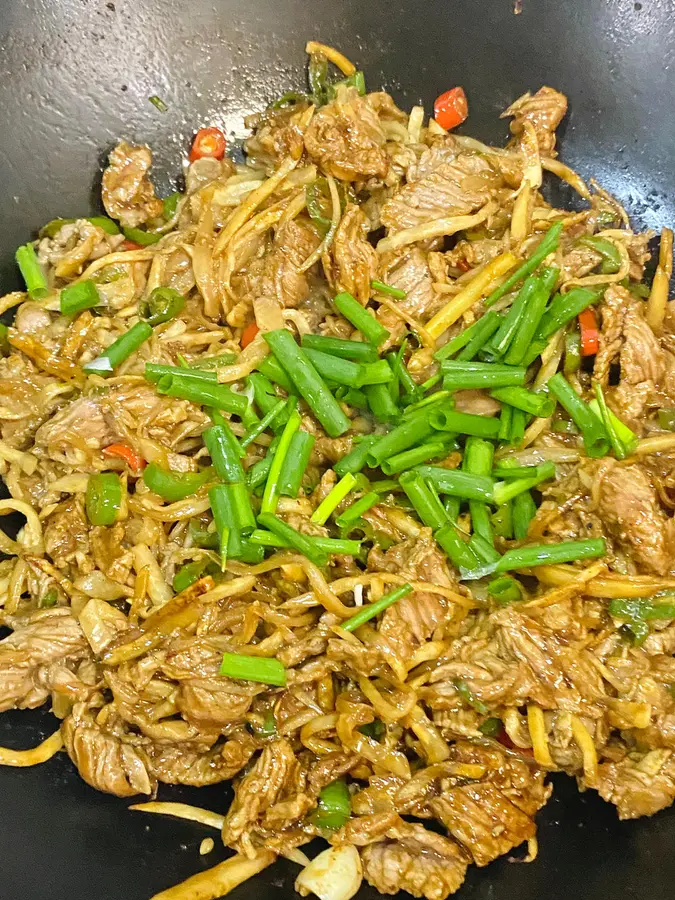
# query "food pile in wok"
(348, 474)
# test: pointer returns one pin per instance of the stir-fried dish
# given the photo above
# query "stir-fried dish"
(348, 474)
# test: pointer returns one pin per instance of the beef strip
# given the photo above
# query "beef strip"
(345, 138)
(545, 110)
(352, 262)
(37, 642)
(127, 192)
(415, 860)
(639, 784)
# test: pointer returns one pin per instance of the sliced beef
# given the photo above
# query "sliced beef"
(127, 192)
(409, 271)
(38, 641)
(103, 759)
(415, 860)
(545, 110)
(66, 532)
(346, 140)
(186, 764)
(639, 784)
(214, 702)
(354, 260)
(443, 183)
(629, 506)
(259, 789)
(27, 397)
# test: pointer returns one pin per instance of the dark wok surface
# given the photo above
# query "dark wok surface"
(74, 76)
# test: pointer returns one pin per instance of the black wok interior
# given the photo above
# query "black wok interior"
(76, 76)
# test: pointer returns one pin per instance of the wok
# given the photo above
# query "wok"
(76, 76)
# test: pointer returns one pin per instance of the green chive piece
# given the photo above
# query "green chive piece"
(356, 351)
(357, 509)
(413, 457)
(426, 502)
(465, 423)
(203, 392)
(339, 546)
(309, 383)
(31, 271)
(262, 425)
(547, 245)
(300, 542)
(295, 463)
(333, 499)
(509, 490)
(620, 450)
(504, 590)
(563, 309)
(361, 318)
(158, 103)
(225, 453)
(458, 375)
(540, 404)
(468, 697)
(271, 494)
(188, 574)
(459, 484)
(383, 288)
(406, 435)
(592, 430)
(119, 351)
(356, 459)
(524, 510)
(141, 237)
(478, 456)
(551, 554)
(371, 610)
(170, 205)
(260, 669)
(456, 546)
(77, 297)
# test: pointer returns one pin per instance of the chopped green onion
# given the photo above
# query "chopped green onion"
(336, 369)
(551, 554)
(426, 503)
(339, 546)
(333, 499)
(161, 305)
(565, 308)
(489, 324)
(356, 459)
(505, 422)
(308, 382)
(318, 211)
(361, 318)
(642, 608)
(158, 103)
(371, 610)
(119, 350)
(383, 288)
(540, 404)
(31, 271)
(666, 419)
(455, 544)
(491, 727)
(253, 668)
(458, 375)
(406, 435)
(381, 403)
(214, 362)
(465, 423)
(518, 421)
(202, 392)
(155, 371)
(464, 337)
(459, 484)
(103, 498)
(262, 425)
(618, 447)
(356, 351)
(49, 600)
(504, 590)
(478, 457)
(547, 245)
(502, 520)
(627, 437)
(300, 542)
(501, 341)
(225, 453)
(268, 727)
(318, 77)
(357, 509)
(141, 237)
(352, 397)
(413, 457)
(379, 372)
(334, 806)
(531, 317)
(588, 423)
(295, 463)
(272, 486)
(174, 486)
(272, 369)
(79, 296)
(509, 490)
